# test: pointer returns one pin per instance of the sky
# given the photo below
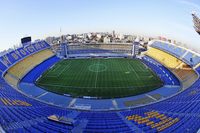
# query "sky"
(42, 18)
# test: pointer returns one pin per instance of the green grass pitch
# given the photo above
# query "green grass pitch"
(103, 78)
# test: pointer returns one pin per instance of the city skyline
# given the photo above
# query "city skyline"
(40, 19)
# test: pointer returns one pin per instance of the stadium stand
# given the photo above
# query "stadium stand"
(16, 55)
(104, 122)
(28, 63)
(163, 57)
(179, 113)
(165, 75)
(185, 73)
(99, 49)
(172, 49)
(11, 79)
(21, 68)
(187, 56)
(39, 69)
(151, 121)
(191, 59)
(2, 68)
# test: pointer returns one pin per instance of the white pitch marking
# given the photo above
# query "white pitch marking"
(96, 76)
(42, 95)
(151, 97)
(72, 102)
(114, 103)
(133, 71)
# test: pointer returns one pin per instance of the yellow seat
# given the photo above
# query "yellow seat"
(24, 66)
(164, 58)
(179, 68)
(11, 80)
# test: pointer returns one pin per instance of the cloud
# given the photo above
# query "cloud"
(191, 4)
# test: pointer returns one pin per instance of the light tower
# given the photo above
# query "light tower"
(63, 44)
(135, 47)
(196, 21)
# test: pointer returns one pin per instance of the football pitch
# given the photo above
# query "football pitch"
(102, 78)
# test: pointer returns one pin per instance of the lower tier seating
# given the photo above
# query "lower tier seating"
(180, 113)
(38, 70)
(164, 74)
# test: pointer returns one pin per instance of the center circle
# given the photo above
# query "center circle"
(97, 67)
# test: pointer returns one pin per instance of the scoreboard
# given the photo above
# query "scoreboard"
(26, 40)
(135, 49)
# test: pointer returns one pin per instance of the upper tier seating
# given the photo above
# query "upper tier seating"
(11, 80)
(87, 51)
(187, 56)
(30, 62)
(191, 59)
(18, 54)
(179, 68)
(177, 51)
(165, 58)
(2, 68)
(16, 72)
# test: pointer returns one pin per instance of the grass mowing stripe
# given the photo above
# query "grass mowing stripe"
(95, 85)
(133, 70)
(117, 80)
(63, 70)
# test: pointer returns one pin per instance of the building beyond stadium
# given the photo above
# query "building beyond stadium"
(174, 107)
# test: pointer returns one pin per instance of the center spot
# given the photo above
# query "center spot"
(97, 67)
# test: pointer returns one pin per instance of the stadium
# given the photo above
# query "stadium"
(104, 66)
(99, 88)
